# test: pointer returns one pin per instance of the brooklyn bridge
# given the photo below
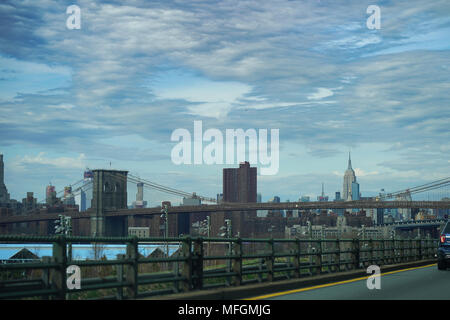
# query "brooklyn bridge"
(110, 216)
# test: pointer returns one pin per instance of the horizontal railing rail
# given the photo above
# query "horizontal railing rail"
(199, 263)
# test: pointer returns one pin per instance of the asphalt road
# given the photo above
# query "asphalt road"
(422, 283)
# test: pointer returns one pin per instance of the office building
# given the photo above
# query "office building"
(275, 213)
(239, 184)
(50, 196)
(185, 220)
(355, 191)
(29, 203)
(4, 195)
(140, 232)
(304, 199)
(139, 203)
(68, 199)
(82, 200)
(322, 197)
(349, 178)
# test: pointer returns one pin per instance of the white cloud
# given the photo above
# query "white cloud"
(361, 173)
(61, 162)
(320, 94)
(63, 106)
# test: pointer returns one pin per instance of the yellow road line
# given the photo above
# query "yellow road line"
(332, 284)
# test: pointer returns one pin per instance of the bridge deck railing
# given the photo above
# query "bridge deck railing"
(199, 263)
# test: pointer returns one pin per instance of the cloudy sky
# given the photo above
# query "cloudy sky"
(114, 90)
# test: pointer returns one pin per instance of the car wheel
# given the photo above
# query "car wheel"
(441, 265)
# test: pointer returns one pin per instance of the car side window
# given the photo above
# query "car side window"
(447, 228)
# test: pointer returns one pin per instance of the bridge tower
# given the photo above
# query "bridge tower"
(109, 192)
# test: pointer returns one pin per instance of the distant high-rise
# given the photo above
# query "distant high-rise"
(87, 201)
(68, 199)
(355, 191)
(275, 199)
(275, 213)
(50, 195)
(139, 203)
(192, 201)
(405, 213)
(140, 192)
(349, 178)
(29, 203)
(305, 199)
(322, 197)
(239, 184)
(82, 201)
(4, 195)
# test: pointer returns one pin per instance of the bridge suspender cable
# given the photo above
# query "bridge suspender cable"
(418, 189)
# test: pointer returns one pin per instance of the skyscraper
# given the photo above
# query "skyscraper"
(139, 203)
(239, 184)
(50, 195)
(4, 195)
(68, 199)
(355, 191)
(82, 201)
(88, 193)
(349, 178)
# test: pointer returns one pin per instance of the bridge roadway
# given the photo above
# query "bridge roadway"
(419, 283)
(360, 204)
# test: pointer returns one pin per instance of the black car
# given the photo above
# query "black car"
(444, 248)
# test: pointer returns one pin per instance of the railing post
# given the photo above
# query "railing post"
(237, 262)
(119, 271)
(197, 264)
(46, 275)
(176, 272)
(270, 262)
(260, 267)
(403, 250)
(319, 257)
(356, 253)
(394, 250)
(297, 260)
(410, 250)
(418, 249)
(58, 276)
(407, 249)
(131, 274)
(338, 255)
(186, 250)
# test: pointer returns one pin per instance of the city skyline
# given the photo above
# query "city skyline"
(109, 95)
(349, 179)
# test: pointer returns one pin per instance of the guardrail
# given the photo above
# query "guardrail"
(246, 261)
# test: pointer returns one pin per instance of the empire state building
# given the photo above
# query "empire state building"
(349, 178)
